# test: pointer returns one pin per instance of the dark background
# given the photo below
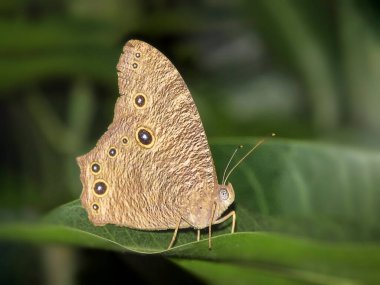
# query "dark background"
(306, 70)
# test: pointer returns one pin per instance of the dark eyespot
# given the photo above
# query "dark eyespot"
(140, 100)
(223, 194)
(145, 137)
(112, 152)
(134, 65)
(100, 188)
(95, 168)
(95, 207)
(138, 54)
(124, 140)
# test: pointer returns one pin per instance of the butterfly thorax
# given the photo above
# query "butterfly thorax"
(201, 212)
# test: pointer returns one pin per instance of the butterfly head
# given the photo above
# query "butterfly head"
(225, 196)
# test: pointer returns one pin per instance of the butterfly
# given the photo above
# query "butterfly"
(153, 169)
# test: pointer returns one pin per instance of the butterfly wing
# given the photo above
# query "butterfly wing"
(154, 159)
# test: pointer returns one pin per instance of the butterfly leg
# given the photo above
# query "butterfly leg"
(209, 227)
(221, 220)
(175, 234)
(176, 231)
(198, 235)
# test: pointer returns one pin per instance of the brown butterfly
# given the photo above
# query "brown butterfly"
(153, 169)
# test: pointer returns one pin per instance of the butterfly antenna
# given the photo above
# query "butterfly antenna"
(228, 164)
(245, 156)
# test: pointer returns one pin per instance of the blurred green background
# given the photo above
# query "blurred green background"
(307, 70)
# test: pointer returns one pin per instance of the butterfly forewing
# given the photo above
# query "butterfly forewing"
(162, 168)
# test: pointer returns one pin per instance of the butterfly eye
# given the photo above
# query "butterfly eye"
(145, 137)
(223, 194)
(95, 168)
(112, 152)
(100, 187)
(140, 100)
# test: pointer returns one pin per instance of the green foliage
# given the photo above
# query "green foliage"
(305, 213)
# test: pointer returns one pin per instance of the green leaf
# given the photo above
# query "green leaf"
(314, 190)
(318, 205)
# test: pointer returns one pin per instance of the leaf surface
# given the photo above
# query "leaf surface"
(306, 214)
